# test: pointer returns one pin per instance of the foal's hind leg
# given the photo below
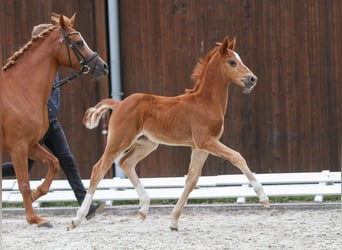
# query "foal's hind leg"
(139, 150)
(123, 130)
(115, 145)
(198, 159)
(98, 172)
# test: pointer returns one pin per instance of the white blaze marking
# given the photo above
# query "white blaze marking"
(238, 57)
(84, 42)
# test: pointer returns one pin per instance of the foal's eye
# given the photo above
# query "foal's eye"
(80, 43)
(232, 63)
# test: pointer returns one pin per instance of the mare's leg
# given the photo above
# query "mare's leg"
(39, 153)
(198, 159)
(139, 150)
(19, 159)
(217, 148)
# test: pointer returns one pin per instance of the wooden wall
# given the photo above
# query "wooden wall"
(18, 19)
(290, 122)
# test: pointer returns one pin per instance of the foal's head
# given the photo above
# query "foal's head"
(233, 69)
(73, 50)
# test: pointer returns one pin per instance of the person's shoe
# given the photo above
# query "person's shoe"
(95, 208)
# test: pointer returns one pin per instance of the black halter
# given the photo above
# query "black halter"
(84, 61)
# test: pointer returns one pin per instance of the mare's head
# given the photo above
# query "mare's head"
(233, 69)
(74, 51)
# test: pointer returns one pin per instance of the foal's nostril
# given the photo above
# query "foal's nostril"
(253, 79)
(250, 81)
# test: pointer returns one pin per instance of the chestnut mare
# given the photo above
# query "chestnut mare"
(141, 122)
(27, 80)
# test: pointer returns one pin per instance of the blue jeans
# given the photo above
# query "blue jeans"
(57, 143)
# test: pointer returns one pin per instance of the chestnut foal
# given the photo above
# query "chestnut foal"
(141, 122)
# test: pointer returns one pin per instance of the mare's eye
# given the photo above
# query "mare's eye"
(232, 63)
(80, 43)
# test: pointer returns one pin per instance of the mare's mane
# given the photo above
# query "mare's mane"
(199, 70)
(11, 61)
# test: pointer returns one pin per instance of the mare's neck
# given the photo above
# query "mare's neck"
(33, 74)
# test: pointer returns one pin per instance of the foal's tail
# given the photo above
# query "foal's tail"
(92, 116)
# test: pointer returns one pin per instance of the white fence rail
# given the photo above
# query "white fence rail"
(317, 184)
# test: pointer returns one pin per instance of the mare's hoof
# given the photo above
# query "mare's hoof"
(46, 224)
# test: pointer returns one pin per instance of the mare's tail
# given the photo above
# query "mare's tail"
(92, 116)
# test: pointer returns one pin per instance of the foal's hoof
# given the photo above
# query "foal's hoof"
(142, 215)
(72, 226)
(174, 225)
(265, 203)
(46, 224)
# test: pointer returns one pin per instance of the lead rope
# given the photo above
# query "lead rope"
(67, 79)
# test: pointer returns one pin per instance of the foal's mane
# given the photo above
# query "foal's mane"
(198, 72)
(11, 61)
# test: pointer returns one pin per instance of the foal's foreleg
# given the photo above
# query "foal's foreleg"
(139, 150)
(198, 159)
(219, 149)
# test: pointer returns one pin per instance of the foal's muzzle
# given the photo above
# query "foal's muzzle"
(250, 81)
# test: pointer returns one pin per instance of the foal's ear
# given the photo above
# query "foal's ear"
(224, 46)
(232, 43)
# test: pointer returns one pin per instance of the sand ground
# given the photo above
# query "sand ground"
(198, 229)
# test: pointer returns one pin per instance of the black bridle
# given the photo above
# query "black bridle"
(84, 61)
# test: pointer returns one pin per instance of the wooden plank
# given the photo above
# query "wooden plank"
(289, 123)
(283, 125)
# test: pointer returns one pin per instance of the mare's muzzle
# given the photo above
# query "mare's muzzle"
(95, 65)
